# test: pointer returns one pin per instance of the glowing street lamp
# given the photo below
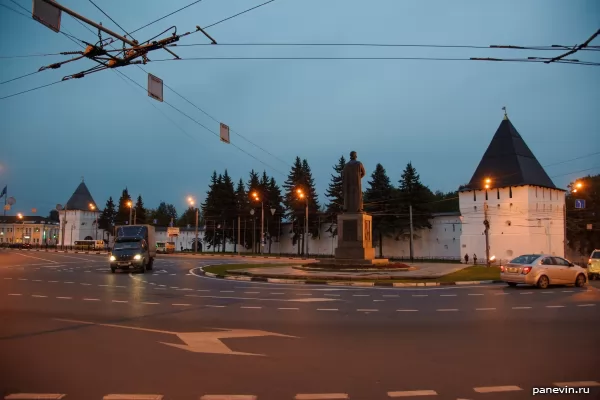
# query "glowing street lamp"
(303, 196)
(130, 205)
(93, 208)
(577, 186)
(192, 202)
(488, 183)
(256, 197)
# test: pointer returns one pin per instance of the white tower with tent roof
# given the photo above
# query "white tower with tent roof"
(511, 203)
(80, 213)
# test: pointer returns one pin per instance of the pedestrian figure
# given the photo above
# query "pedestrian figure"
(474, 259)
(181, 248)
(467, 258)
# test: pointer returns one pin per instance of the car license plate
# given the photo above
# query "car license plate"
(512, 270)
(123, 263)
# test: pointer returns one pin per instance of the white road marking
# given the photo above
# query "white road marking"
(420, 295)
(578, 384)
(251, 307)
(87, 271)
(288, 308)
(104, 285)
(494, 389)
(52, 281)
(447, 309)
(526, 293)
(133, 397)
(214, 306)
(367, 310)
(68, 282)
(406, 310)
(202, 290)
(78, 258)
(86, 284)
(447, 295)
(485, 309)
(521, 308)
(547, 292)
(333, 295)
(185, 289)
(389, 295)
(14, 294)
(120, 286)
(322, 396)
(181, 304)
(279, 293)
(38, 258)
(501, 294)
(327, 309)
(23, 279)
(251, 292)
(120, 301)
(586, 305)
(228, 397)
(555, 306)
(568, 291)
(37, 295)
(36, 280)
(64, 298)
(304, 294)
(379, 300)
(7, 278)
(34, 396)
(172, 274)
(361, 295)
(227, 291)
(85, 299)
(150, 303)
(411, 393)
(160, 288)
(475, 294)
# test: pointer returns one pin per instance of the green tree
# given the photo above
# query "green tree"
(210, 211)
(275, 201)
(254, 187)
(227, 201)
(335, 194)
(242, 207)
(579, 237)
(300, 178)
(411, 192)
(379, 203)
(107, 217)
(123, 210)
(444, 202)
(140, 212)
(164, 214)
(53, 216)
(188, 218)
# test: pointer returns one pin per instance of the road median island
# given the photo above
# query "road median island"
(286, 273)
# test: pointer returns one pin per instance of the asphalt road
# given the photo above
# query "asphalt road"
(69, 326)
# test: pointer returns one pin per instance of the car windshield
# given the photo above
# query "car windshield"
(127, 245)
(596, 255)
(526, 259)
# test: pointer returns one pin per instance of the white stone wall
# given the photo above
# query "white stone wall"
(80, 224)
(530, 221)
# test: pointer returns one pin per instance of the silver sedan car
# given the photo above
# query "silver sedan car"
(542, 270)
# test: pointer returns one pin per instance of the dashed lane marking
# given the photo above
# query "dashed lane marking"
(447, 309)
(133, 397)
(278, 293)
(526, 293)
(228, 397)
(388, 295)
(214, 306)
(568, 291)
(7, 278)
(555, 306)
(251, 292)
(406, 310)
(52, 281)
(361, 295)
(86, 284)
(447, 295)
(521, 308)
(322, 396)
(501, 294)
(586, 305)
(14, 294)
(34, 396)
(36, 280)
(367, 310)
(86, 299)
(288, 308)
(412, 393)
(475, 294)
(37, 295)
(327, 309)
(181, 304)
(249, 307)
(64, 297)
(227, 291)
(23, 279)
(332, 295)
(485, 309)
(72, 282)
(120, 301)
(547, 292)
(149, 303)
(420, 295)
(578, 384)
(496, 389)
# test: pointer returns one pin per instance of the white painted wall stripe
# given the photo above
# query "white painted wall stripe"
(411, 393)
(322, 396)
(32, 396)
(495, 389)
(133, 397)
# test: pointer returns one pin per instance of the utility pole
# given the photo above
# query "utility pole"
(565, 229)
(306, 227)
(64, 228)
(486, 223)
(239, 243)
(412, 254)
(262, 226)
(253, 234)
(196, 241)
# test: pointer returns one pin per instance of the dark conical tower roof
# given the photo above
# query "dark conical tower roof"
(508, 161)
(81, 199)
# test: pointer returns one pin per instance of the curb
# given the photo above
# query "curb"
(340, 283)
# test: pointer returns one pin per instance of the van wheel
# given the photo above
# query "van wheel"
(151, 264)
(512, 284)
(580, 281)
(543, 282)
(112, 270)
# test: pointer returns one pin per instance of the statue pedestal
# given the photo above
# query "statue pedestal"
(355, 245)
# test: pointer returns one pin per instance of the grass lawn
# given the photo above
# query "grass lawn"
(223, 268)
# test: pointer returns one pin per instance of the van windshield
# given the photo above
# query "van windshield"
(596, 255)
(127, 245)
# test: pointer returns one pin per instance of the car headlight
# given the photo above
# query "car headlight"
(137, 257)
(113, 258)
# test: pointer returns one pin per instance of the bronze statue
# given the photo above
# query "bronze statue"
(352, 174)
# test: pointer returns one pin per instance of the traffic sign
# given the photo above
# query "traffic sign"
(579, 203)
(173, 232)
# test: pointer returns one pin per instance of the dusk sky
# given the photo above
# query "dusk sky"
(441, 115)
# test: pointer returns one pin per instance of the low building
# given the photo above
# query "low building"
(34, 230)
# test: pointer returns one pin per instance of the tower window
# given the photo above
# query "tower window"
(498, 193)
(486, 195)
(536, 194)
(510, 192)
(474, 195)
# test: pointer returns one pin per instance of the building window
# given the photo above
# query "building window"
(453, 228)
(510, 192)
(543, 193)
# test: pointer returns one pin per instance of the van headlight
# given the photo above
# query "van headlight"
(113, 258)
(137, 257)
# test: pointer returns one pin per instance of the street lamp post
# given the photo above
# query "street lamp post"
(20, 216)
(192, 202)
(93, 207)
(575, 187)
(253, 231)
(130, 205)
(304, 196)
(270, 241)
(486, 223)
(262, 219)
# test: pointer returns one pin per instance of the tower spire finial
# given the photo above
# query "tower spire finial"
(505, 114)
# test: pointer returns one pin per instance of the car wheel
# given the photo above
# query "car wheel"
(112, 270)
(580, 281)
(543, 282)
(512, 284)
(151, 264)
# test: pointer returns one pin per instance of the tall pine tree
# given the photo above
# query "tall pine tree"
(123, 210)
(227, 200)
(335, 195)
(107, 217)
(379, 203)
(254, 228)
(242, 207)
(140, 211)
(275, 203)
(411, 192)
(211, 212)
(164, 213)
(292, 204)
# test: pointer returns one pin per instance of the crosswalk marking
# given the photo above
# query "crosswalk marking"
(411, 393)
(322, 396)
(578, 384)
(494, 389)
(33, 396)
